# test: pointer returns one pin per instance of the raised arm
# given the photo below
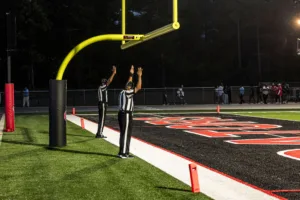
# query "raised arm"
(131, 74)
(139, 83)
(111, 78)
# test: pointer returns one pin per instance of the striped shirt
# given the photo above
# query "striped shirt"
(102, 94)
(126, 100)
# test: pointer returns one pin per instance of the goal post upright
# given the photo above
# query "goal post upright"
(123, 19)
(58, 87)
(158, 32)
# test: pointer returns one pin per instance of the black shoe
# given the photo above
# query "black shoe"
(100, 136)
(129, 156)
(122, 156)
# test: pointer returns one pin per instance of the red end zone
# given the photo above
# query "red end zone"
(215, 127)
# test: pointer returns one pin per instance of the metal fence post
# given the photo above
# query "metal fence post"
(144, 96)
(84, 103)
(202, 95)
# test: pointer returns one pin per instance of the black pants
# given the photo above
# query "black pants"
(265, 96)
(125, 124)
(165, 100)
(101, 115)
(242, 99)
(259, 97)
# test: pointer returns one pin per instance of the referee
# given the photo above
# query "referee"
(103, 101)
(125, 112)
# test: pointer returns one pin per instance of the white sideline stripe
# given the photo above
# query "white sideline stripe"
(2, 119)
(212, 184)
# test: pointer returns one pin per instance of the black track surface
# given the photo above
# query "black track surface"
(258, 165)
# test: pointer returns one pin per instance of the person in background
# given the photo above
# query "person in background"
(216, 95)
(251, 95)
(242, 93)
(279, 93)
(220, 94)
(265, 92)
(259, 93)
(286, 93)
(26, 97)
(180, 95)
(273, 93)
(225, 94)
(165, 97)
(229, 94)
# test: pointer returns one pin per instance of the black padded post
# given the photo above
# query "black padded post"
(57, 113)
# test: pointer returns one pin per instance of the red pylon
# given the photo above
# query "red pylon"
(194, 178)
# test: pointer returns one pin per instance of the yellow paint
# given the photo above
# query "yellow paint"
(158, 32)
(82, 45)
(175, 11)
(123, 19)
(133, 39)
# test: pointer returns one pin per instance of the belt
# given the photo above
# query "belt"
(123, 111)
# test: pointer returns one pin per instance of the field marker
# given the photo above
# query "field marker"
(2, 119)
(82, 123)
(194, 178)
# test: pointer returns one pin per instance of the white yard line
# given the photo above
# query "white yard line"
(245, 115)
(2, 120)
(215, 184)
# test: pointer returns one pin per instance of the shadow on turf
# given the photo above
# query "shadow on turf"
(60, 149)
(23, 143)
(175, 189)
(89, 136)
(91, 169)
(80, 152)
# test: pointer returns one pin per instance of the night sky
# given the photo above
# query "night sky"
(231, 41)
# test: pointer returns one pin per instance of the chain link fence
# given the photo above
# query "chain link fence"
(147, 96)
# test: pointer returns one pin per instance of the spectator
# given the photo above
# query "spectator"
(279, 93)
(216, 94)
(242, 93)
(165, 97)
(251, 95)
(286, 93)
(225, 95)
(259, 93)
(220, 94)
(229, 94)
(265, 91)
(180, 95)
(26, 97)
(273, 93)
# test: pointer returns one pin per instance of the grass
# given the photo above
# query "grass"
(284, 115)
(86, 169)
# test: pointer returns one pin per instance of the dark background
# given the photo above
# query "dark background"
(204, 52)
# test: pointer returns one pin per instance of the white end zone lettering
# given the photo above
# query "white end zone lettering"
(292, 154)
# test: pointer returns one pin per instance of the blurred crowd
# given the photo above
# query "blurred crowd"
(264, 93)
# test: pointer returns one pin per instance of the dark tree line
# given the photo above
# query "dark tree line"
(235, 41)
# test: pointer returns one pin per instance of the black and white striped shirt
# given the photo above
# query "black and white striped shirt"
(102, 94)
(126, 100)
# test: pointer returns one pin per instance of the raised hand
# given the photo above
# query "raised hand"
(140, 71)
(114, 70)
(132, 69)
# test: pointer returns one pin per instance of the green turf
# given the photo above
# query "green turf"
(285, 115)
(86, 169)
